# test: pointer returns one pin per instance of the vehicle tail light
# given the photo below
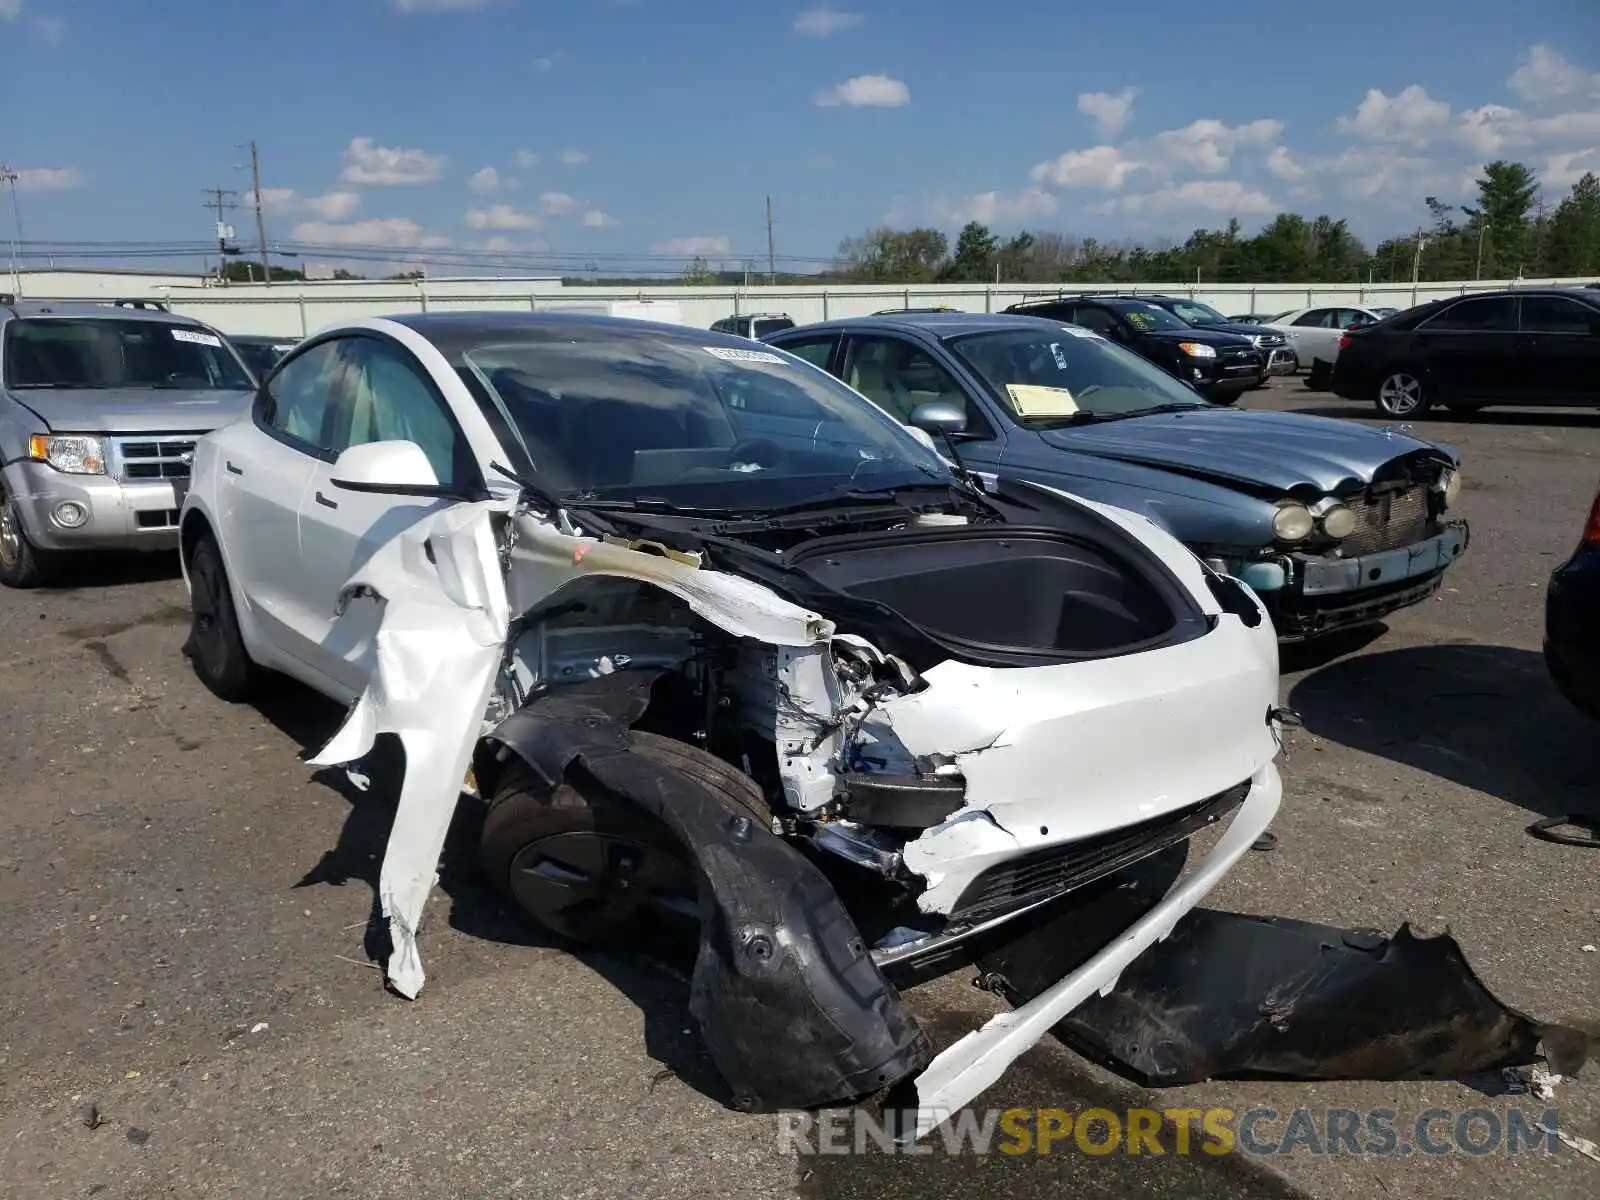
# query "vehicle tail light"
(1344, 342)
(1591, 531)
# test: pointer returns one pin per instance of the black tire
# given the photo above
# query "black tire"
(214, 646)
(1404, 393)
(1320, 375)
(22, 564)
(594, 867)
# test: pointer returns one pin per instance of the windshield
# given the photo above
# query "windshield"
(92, 352)
(1047, 377)
(595, 416)
(1195, 313)
(1145, 317)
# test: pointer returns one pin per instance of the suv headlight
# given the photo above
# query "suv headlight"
(1450, 485)
(1292, 522)
(1197, 350)
(73, 453)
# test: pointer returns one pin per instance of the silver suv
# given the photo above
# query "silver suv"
(754, 325)
(100, 406)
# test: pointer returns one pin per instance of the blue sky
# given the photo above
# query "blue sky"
(639, 127)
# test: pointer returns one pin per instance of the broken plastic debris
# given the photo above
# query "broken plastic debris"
(259, 1027)
(1581, 1144)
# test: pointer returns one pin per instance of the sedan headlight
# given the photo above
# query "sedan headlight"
(1197, 349)
(1292, 522)
(1450, 485)
(73, 453)
(1339, 521)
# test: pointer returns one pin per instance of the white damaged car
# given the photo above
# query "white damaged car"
(737, 664)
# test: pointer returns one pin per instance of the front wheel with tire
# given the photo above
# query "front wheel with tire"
(1402, 393)
(593, 866)
(22, 564)
(215, 646)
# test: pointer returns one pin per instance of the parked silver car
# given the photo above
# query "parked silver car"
(100, 407)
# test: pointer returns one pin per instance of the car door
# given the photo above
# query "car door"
(1469, 349)
(1558, 350)
(898, 374)
(388, 396)
(1315, 334)
(266, 467)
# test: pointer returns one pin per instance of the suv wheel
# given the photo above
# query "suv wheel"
(1403, 394)
(22, 564)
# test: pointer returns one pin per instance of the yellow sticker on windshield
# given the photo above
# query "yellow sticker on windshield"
(1032, 400)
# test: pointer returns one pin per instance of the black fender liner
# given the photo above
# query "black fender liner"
(792, 1009)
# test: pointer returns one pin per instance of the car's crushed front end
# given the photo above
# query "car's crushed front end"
(955, 723)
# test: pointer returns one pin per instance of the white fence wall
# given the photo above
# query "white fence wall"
(295, 309)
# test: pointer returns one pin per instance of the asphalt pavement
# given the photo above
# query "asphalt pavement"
(187, 1007)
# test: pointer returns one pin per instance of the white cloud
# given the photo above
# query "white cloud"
(504, 245)
(1410, 115)
(1211, 195)
(433, 6)
(384, 166)
(10, 10)
(1564, 170)
(574, 158)
(375, 231)
(273, 200)
(824, 22)
(501, 216)
(485, 181)
(987, 208)
(1104, 167)
(1544, 77)
(557, 204)
(48, 179)
(525, 159)
(1111, 110)
(335, 206)
(865, 91)
(1282, 164)
(693, 247)
(1208, 145)
(1384, 172)
(595, 219)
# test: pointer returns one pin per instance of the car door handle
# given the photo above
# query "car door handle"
(325, 502)
(233, 470)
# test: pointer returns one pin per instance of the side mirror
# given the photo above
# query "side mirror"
(394, 468)
(935, 417)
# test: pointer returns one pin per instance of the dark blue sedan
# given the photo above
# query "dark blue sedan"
(1572, 621)
(1334, 524)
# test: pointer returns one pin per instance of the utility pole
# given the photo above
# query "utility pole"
(9, 178)
(772, 257)
(1482, 229)
(1416, 257)
(261, 223)
(222, 201)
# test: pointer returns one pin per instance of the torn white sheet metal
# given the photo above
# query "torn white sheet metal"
(437, 651)
(544, 559)
(979, 1059)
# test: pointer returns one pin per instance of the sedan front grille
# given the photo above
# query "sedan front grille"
(1387, 521)
(1033, 878)
(140, 459)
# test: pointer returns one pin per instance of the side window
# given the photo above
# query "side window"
(1317, 318)
(1353, 316)
(1097, 319)
(1556, 314)
(1483, 314)
(722, 326)
(897, 376)
(389, 399)
(303, 396)
(816, 351)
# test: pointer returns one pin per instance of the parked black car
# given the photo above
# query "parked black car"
(1536, 346)
(1572, 621)
(1274, 346)
(1220, 366)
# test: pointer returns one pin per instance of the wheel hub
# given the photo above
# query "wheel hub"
(10, 536)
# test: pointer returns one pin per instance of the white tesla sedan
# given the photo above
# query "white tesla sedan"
(737, 663)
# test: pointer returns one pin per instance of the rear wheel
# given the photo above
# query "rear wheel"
(1320, 375)
(215, 646)
(593, 866)
(22, 564)
(1402, 393)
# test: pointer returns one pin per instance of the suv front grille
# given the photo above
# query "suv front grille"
(1033, 878)
(1387, 521)
(140, 459)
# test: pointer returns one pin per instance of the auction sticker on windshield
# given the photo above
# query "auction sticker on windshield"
(199, 339)
(730, 355)
(1033, 400)
(1079, 331)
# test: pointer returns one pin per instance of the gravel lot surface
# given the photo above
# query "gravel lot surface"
(186, 1008)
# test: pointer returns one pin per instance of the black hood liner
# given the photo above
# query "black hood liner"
(1243, 997)
(792, 1009)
